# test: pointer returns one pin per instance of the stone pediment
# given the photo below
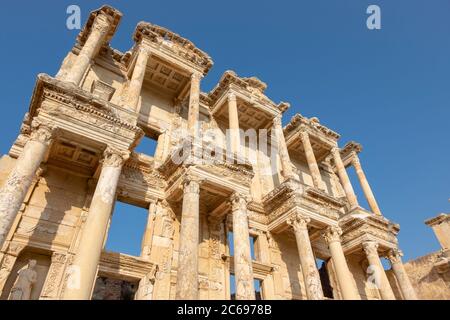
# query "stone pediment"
(174, 43)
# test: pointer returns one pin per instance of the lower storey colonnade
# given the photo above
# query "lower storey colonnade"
(84, 265)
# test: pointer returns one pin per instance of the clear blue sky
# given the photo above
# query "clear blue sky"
(387, 89)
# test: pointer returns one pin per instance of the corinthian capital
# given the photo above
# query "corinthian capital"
(277, 121)
(355, 160)
(191, 184)
(332, 234)
(42, 132)
(304, 135)
(101, 23)
(370, 248)
(196, 76)
(238, 202)
(395, 255)
(298, 222)
(113, 157)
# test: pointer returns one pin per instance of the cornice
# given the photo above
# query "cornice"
(179, 45)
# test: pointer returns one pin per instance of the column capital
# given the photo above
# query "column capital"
(101, 23)
(395, 256)
(196, 76)
(277, 121)
(370, 248)
(332, 234)
(298, 222)
(336, 151)
(355, 160)
(304, 135)
(42, 132)
(113, 157)
(238, 201)
(231, 96)
(144, 48)
(191, 184)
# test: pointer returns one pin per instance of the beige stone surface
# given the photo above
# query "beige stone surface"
(292, 199)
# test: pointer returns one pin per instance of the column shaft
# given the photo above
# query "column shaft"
(243, 268)
(85, 262)
(345, 180)
(194, 104)
(233, 123)
(137, 78)
(311, 276)
(148, 233)
(402, 277)
(16, 186)
(346, 283)
(311, 159)
(187, 275)
(377, 269)
(282, 148)
(90, 48)
(365, 185)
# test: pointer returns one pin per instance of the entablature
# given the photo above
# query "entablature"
(361, 225)
(173, 46)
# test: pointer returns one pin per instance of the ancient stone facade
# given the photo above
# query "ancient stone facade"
(291, 194)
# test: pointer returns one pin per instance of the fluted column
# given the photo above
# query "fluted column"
(87, 257)
(282, 148)
(194, 104)
(233, 123)
(395, 258)
(243, 269)
(16, 186)
(307, 260)
(90, 48)
(137, 78)
(377, 269)
(345, 180)
(332, 236)
(365, 185)
(311, 159)
(187, 275)
(148, 233)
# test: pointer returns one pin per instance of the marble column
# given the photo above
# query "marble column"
(365, 185)
(187, 275)
(311, 159)
(282, 148)
(16, 186)
(332, 236)
(243, 268)
(233, 123)
(310, 273)
(377, 270)
(87, 256)
(395, 258)
(137, 78)
(91, 47)
(148, 233)
(194, 104)
(345, 180)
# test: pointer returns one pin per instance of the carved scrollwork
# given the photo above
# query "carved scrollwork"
(395, 256)
(191, 184)
(370, 248)
(238, 201)
(114, 158)
(42, 132)
(332, 234)
(298, 222)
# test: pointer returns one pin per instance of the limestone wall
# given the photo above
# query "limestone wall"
(428, 283)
